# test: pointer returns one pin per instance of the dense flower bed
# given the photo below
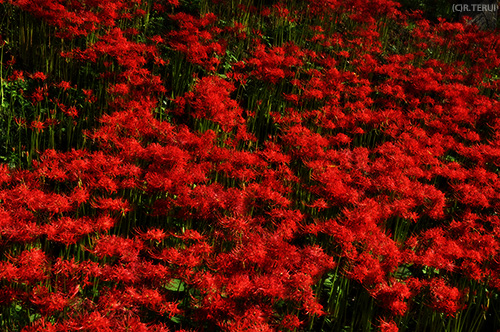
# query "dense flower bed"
(247, 166)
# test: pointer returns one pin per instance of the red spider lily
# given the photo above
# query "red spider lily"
(237, 164)
(190, 257)
(39, 95)
(126, 249)
(64, 85)
(190, 234)
(38, 76)
(306, 143)
(9, 272)
(37, 200)
(210, 100)
(247, 224)
(291, 322)
(261, 195)
(16, 75)
(75, 19)
(67, 230)
(79, 195)
(435, 254)
(444, 298)
(393, 296)
(153, 234)
(39, 126)
(4, 174)
(150, 298)
(13, 230)
(386, 326)
(367, 270)
(42, 325)
(275, 64)
(48, 302)
(89, 97)
(251, 319)
(104, 223)
(196, 42)
(32, 266)
(280, 10)
(111, 204)
(97, 322)
(272, 153)
(121, 274)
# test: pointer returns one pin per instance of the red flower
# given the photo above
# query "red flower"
(444, 298)
(64, 85)
(39, 126)
(153, 234)
(4, 174)
(39, 95)
(111, 204)
(388, 326)
(126, 249)
(89, 97)
(67, 230)
(38, 76)
(48, 302)
(32, 265)
(291, 322)
(211, 100)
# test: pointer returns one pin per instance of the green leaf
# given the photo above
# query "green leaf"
(176, 285)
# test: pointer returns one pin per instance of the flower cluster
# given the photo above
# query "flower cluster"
(303, 165)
